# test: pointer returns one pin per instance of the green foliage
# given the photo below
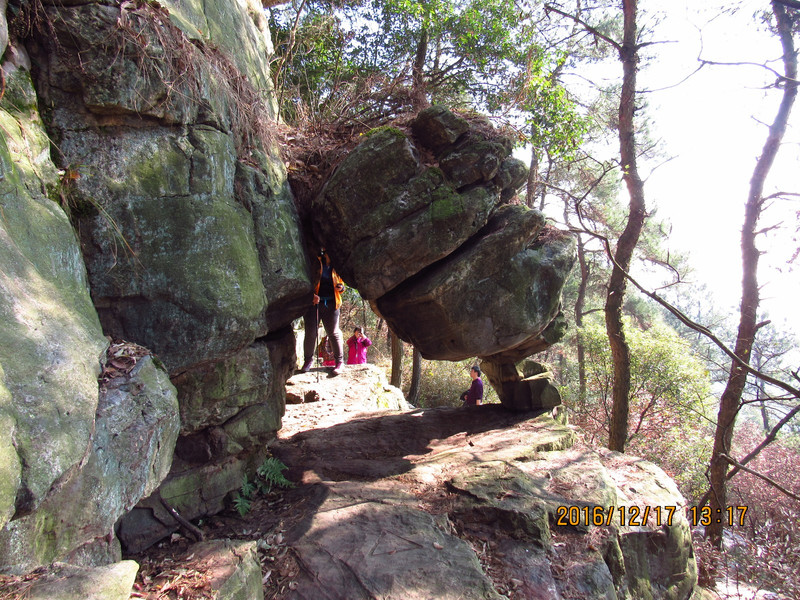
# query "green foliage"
(665, 375)
(268, 475)
(670, 402)
(248, 488)
(551, 118)
(242, 501)
(443, 382)
(354, 60)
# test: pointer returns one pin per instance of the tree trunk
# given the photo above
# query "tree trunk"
(620, 352)
(533, 172)
(397, 361)
(419, 99)
(416, 376)
(730, 401)
(579, 304)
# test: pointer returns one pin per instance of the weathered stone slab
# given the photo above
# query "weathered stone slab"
(514, 486)
(69, 582)
(378, 550)
(231, 567)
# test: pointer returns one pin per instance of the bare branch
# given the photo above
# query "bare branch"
(595, 32)
(768, 439)
(794, 392)
(782, 195)
(674, 85)
(781, 77)
(770, 481)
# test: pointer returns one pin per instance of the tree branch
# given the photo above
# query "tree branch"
(770, 481)
(780, 76)
(768, 439)
(595, 32)
(795, 392)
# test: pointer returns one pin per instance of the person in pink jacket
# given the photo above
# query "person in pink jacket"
(357, 347)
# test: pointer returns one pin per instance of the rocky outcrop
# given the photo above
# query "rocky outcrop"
(419, 223)
(74, 455)
(487, 297)
(385, 215)
(158, 120)
(474, 503)
(128, 456)
(157, 148)
(187, 225)
(228, 415)
(50, 341)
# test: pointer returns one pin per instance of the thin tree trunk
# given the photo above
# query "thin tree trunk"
(419, 98)
(730, 401)
(397, 361)
(579, 304)
(620, 352)
(533, 172)
(416, 377)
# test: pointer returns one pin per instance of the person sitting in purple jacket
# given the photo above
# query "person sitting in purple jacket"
(357, 347)
(474, 395)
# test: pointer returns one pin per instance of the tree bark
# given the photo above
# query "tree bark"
(416, 377)
(620, 352)
(397, 361)
(533, 172)
(730, 401)
(419, 99)
(579, 304)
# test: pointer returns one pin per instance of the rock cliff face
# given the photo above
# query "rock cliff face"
(152, 261)
(156, 145)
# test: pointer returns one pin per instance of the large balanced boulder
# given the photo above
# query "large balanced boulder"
(419, 221)
(385, 215)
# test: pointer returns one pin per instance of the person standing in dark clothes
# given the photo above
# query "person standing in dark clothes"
(324, 307)
(474, 395)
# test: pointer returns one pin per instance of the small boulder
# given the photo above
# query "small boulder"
(69, 582)
(437, 128)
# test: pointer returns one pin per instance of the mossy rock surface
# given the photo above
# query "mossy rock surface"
(51, 340)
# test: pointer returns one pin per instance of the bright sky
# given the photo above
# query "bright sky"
(714, 125)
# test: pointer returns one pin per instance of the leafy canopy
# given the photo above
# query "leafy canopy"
(357, 61)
